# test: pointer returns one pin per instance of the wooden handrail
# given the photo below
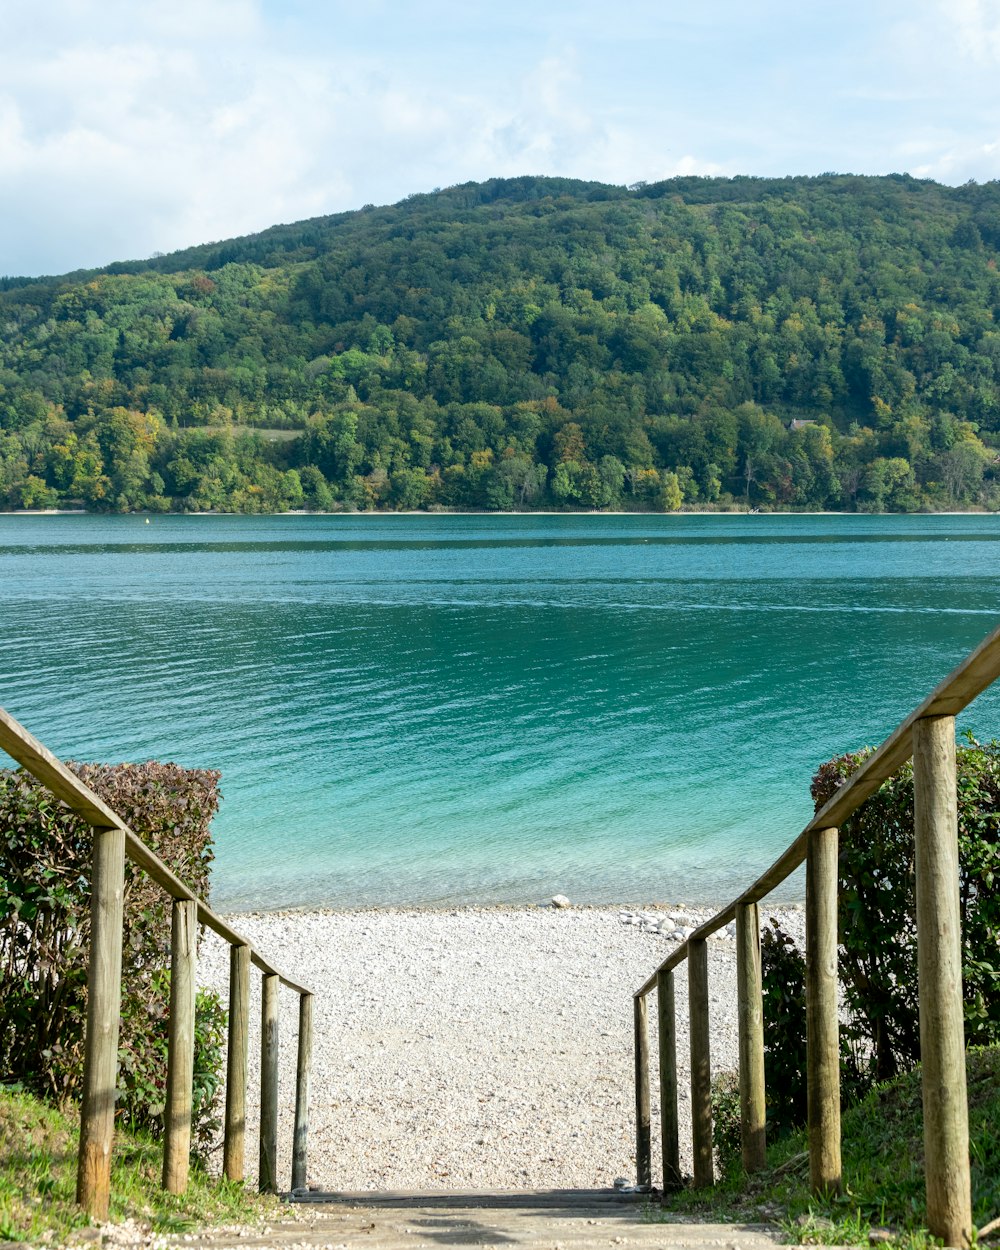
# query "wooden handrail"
(20, 745)
(948, 1206)
(114, 842)
(977, 672)
(53, 773)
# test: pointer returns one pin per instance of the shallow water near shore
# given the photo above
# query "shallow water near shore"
(453, 709)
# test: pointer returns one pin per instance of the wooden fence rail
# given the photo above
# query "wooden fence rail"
(928, 735)
(113, 842)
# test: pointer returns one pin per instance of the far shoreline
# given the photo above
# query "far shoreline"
(450, 909)
(477, 512)
(326, 911)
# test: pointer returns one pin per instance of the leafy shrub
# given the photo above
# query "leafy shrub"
(726, 1136)
(210, 1020)
(142, 1057)
(45, 854)
(877, 909)
(880, 1037)
(783, 973)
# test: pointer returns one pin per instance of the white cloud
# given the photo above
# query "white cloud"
(976, 24)
(958, 164)
(550, 126)
(128, 126)
(193, 122)
(182, 144)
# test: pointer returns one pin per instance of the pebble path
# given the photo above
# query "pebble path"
(477, 1048)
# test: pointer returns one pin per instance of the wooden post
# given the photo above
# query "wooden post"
(750, 1009)
(701, 1064)
(267, 1176)
(822, 1025)
(643, 1153)
(236, 1062)
(100, 1057)
(300, 1142)
(180, 1046)
(939, 961)
(667, 1024)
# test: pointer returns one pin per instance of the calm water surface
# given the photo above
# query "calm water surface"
(457, 709)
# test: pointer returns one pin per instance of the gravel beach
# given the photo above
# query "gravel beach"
(477, 1048)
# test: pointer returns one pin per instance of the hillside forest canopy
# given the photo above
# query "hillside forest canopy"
(795, 343)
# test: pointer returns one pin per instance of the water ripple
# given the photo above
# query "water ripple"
(450, 708)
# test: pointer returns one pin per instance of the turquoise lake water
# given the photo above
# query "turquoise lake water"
(440, 709)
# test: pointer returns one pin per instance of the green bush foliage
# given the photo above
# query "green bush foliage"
(726, 1135)
(44, 929)
(142, 1056)
(878, 937)
(877, 909)
(784, 980)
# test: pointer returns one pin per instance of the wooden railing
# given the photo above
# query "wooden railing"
(928, 734)
(113, 841)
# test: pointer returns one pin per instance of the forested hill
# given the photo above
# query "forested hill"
(824, 342)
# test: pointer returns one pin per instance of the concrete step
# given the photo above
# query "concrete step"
(539, 1220)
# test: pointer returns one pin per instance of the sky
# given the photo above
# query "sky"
(129, 127)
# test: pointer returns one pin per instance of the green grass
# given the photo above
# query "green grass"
(883, 1154)
(38, 1180)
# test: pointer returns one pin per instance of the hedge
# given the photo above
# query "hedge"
(45, 855)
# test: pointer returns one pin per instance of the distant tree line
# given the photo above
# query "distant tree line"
(808, 343)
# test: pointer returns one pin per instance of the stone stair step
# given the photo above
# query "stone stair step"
(539, 1220)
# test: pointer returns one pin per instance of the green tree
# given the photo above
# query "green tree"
(410, 489)
(962, 468)
(316, 492)
(34, 492)
(887, 484)
(671, 496)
